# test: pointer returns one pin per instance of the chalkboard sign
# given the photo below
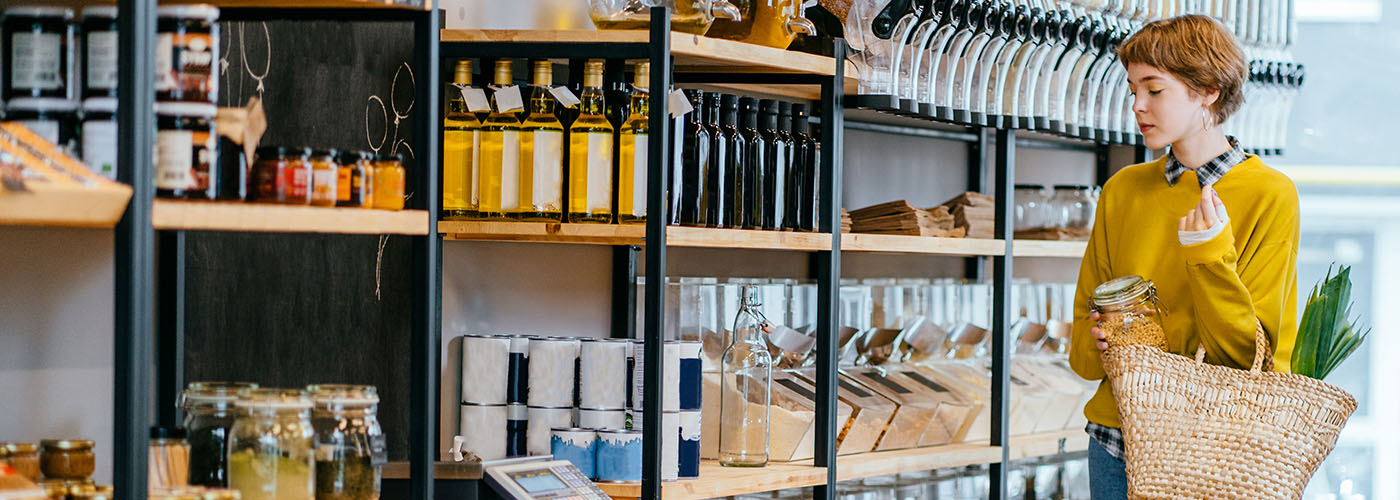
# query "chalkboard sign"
(287, 310)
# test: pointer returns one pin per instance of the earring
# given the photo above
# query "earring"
(1205, 118)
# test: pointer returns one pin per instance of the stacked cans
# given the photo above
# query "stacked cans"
(605, 455)
(487, 424)
(602, 383)
(550, 391)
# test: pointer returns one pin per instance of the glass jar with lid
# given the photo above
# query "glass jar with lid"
(1130, 313)
(1032, 208)
(281, 175)
(270, 456)
(209, 415)
(67, 458)
(1074, 206)
(24, 458)
(324, 177)
(354, 184)
(689, 16)
(350, 446)
(388, 181)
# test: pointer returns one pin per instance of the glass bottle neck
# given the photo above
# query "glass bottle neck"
(592, 101)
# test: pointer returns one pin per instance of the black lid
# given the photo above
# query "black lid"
(160, 432)
(748, 113)
(784, 108)
(729, 101)
(1072, 187)
(799, 109)
(1030, 186)
(768, 106)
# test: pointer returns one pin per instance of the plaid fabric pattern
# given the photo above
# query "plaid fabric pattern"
(1213, 170)
(1109, 438)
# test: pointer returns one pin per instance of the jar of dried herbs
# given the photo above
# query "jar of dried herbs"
(1130, 313)
(350, 446)
(208, 416)
(270, 453)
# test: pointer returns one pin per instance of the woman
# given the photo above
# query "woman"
(1216, 273)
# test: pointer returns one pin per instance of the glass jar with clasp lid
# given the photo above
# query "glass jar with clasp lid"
(1130, 313)
(349, 443)
(270, 456)
(209, 415)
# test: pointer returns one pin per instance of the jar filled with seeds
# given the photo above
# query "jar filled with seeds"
(1130, 313)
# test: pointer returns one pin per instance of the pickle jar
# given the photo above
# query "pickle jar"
(388, 182)
(270, 454)
(1130, 313)
(24, 458)
(209, 415)
(350, 447)
(67, 458)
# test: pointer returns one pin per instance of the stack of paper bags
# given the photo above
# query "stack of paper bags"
(901, 217)
(974, 213)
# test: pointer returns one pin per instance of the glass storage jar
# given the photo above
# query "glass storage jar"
(1130, 313)
(270, 454)
(24, 458)
(325, 174)
(350, 446)
(1074, 207)
(209, 415)
(281, 175)
(770, 23)
(168, 462)
(688, 16)
(388, 182)
(1032, 208)
(67, 458)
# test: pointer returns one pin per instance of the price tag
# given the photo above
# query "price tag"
(678, 104)
(508, 99)
(476, 99)
(564, 96)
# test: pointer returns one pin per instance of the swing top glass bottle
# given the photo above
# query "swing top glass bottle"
(746, 374)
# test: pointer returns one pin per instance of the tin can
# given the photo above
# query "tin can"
(689, 391)
(688, 459)
(619, 458)
(483, 428)
(517, 425)
(603, 373)
(594, 418)
(577, 445)
(670, 377)
(551, 380)
(670, 445)
(542, 420)
(485, 367)
(518, 380)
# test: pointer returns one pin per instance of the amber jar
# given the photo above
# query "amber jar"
(67, 458)
(24, 458)
(324, 173)
(354, 185)
(388, 182)
(282, 175)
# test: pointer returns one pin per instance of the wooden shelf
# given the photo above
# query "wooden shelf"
(55, 204)
(692, 53)
(717, 481)
(1048, 443)
(441, 470)
(212, 216)
(631, 234)
(246, 4)
(891, 243)
(1043, 248)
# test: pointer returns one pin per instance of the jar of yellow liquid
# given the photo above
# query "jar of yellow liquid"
(770, 23)
(687, 16)
(388, 181)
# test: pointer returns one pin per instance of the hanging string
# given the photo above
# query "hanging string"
(384, 115)
(267, 63)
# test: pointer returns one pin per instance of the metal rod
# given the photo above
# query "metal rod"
(1001, 313)
(427, 259)
(927, 133)
(170, 326)
(751, 78)
(978, 177)
(624, 291)
(1141, 154)
(829, 272)
(658, 159)
(1102, 168)
(134, 250)
(272, 12)
(550, 50)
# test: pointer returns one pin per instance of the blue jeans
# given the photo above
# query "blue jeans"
(1108, 476)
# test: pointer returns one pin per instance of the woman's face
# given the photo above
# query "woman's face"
(1166, 109)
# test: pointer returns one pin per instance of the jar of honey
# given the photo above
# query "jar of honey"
(388, 182)
(324, 178)
(24, 458)
(354, 187)
(281, 175)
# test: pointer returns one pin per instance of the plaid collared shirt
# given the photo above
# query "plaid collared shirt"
(1213, 170)
(1109, 438)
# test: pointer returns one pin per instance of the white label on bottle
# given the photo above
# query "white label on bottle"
(678, 104)
(508, 99)
(639, 174)
(48, 129)
(100, 147)
(564, 96)
(510, 170)
(35, 61)
(102, 60)
(547, 184)
(476, 168)
(600, 147)
(476, 99)
(175, 159)
(164, 62)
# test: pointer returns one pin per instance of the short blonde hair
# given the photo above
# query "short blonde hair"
(1196, 50)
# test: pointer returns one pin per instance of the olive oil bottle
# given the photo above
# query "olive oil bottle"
(775, 163)
(717, 208)
(460, 143)
(632, 162)
(753, 169)
(591, 153)
(541, 153)
(734, 157)
(694, 164)
(499, 187)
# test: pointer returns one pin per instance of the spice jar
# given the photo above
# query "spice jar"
(168, 462)
(324, 177)
(67, 458)
(209, 415)
(99, 51)
(1130, 313)
(350, 446)
(187, 44)
(185, 149)
(388, 182)
(270, 452)
(38, 45)
(24, 458)
(281, 175)
(354, 186)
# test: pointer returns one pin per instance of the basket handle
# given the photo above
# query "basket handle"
(1263, 356)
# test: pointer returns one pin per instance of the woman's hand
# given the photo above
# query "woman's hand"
(1205, 215)
(1100, 338)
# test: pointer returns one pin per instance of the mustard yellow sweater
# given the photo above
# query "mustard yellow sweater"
(1213, 291)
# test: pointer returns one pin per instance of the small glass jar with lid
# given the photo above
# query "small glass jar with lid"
(324, 173)
(350, 446)
(389, 176)
(281, 175)
(1130, 313)
(270, 454)
(355, 186)
(209, 414)
(1075, 205)
(67, 458)
(24, 458)
(168, 461)
(1032, 208)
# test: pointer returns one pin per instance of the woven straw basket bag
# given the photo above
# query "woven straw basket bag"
(1193, 430)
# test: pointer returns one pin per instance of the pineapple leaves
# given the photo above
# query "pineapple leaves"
(1326, 334)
